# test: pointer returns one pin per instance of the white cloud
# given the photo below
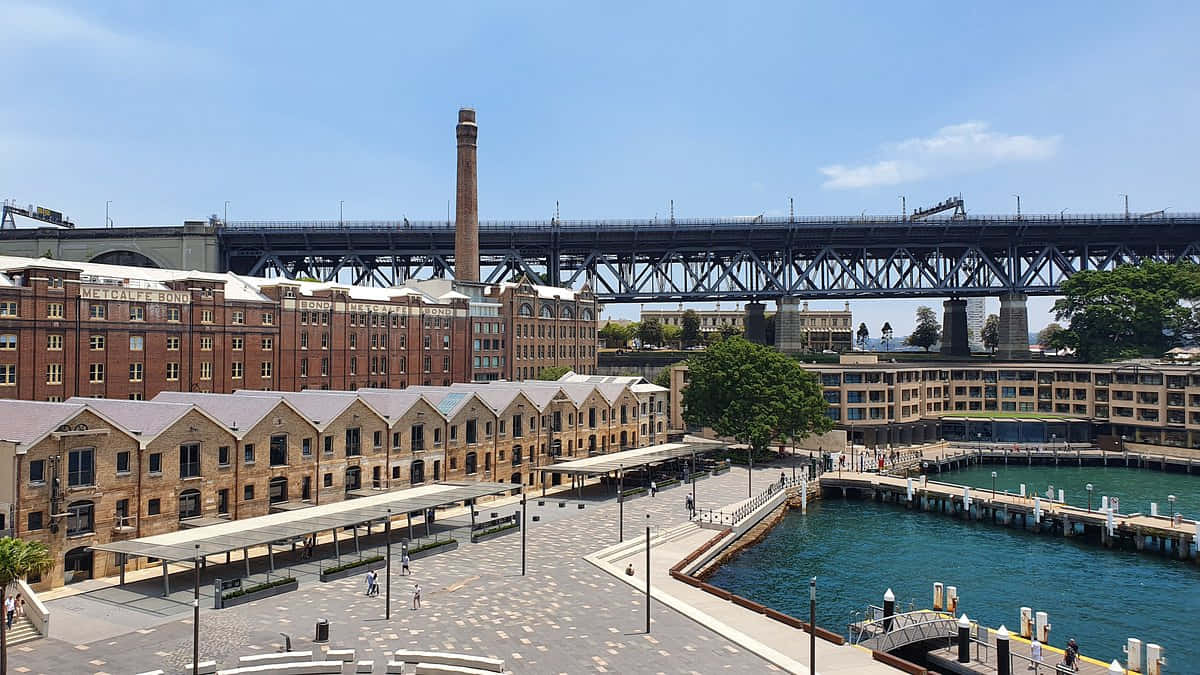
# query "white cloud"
(42, 25)
(954, 149)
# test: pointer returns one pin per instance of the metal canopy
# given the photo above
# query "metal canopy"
(630, 459)
(262, 530)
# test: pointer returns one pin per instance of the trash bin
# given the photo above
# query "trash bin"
(322, 631)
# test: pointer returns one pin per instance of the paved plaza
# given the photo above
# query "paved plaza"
(564, 616)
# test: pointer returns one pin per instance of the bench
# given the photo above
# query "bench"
(300, 668)
(448, 659)
(157, 672)
(343, 655)
(364, 667)
(441, 669)
(204, 667)
(274, 657)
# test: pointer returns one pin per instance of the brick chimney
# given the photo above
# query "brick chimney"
(466, 201)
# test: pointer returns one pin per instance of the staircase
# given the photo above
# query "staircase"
(22, 630)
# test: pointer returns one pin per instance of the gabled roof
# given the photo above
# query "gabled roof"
(27, 422)
(319, 407)
(496, 395)
(146, 419)
(391, 403)
(447, 400)
(576, 391)
(238, 413)
(611, 391)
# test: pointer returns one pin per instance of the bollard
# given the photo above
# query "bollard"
(1026, 622)
(1153, 508)
(1022, 489)
(964, 639)
(1003, 660)
(937, 596)
(1043, 627)
(1061, 495)
(952, 599)
(1133, 654)
(1154, 659)
(889, 608)
(1104, 502)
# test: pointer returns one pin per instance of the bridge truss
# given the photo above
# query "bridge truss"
(730, 259)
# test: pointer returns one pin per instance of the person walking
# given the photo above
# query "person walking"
(416, 600)
(653, 488)
(10, 609)
(370, 583)
(782, 479)
(1071, 655)
(404, 564)
(1035, 654)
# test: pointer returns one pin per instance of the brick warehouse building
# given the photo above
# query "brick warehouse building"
(84, 329)
(90, 471)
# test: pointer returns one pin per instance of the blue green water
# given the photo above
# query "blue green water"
(858, 549)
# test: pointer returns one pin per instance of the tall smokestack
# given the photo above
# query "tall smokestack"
(466, 201)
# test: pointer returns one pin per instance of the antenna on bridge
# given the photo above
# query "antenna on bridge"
(954, 204)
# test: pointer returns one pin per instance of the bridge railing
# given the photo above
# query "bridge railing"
(734, 516)
(888, 633)
(713, 222)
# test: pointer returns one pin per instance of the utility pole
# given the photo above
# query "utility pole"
(341, 202)
(791, 210)
(750, 472)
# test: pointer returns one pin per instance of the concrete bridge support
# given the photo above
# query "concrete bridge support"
(1014, 327)
(756, 323)
(789, 336)
(954, 328)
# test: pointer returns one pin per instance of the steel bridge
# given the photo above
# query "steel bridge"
(727, 258)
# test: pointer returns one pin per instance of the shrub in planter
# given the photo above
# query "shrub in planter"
(633, 491)
(247, 590)
(352, 565)
(495, 530)
(432, 544)
(667, 483)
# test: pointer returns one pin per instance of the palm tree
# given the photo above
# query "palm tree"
(18, 559)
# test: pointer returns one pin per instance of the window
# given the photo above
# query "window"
(268, 318)
(173, 370)
(206, 370)
(223, 501)
(156, 462)
(54, 343)
(237, 369)
(95, 311)
(54, 373)
(237, 317)
(137, 396)
(81, 518)
(206, 316)
(304, 340)
(303, 367)
(306, 447)
(206, 343)
(237, 343)
(353, 442)
(377, 440)
(264, 369)
(153, 507)
(325, 340)
(328, 440)
(268, 343)
(8, 341)
(54, 310)
(37, 471)
(472, 431)
(248, 453)
(34, 521)
(354, 341)
(189, 460)
(137, 343)
(173, 314)
(248, 492)
(279, 453)
(324, 366)
(327, 481)
(173, 343)
(471, 463)
(81, 467)
(135, 372)
(353, 365)
(137, 313)
(96, 372)
(223, 455)
(96, 342)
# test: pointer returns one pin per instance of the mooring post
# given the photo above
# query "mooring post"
(889, 608)
(1003, 660)
(964, 639)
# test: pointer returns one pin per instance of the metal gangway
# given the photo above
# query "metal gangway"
(888, 633)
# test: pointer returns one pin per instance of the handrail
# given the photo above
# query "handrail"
(748, 507)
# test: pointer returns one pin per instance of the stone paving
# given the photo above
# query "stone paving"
(565, 616)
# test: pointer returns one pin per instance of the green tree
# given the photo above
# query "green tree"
(691, 327)
(650, 333)
(885, 334)
(730, 331)
(19, 558)
(926, 333)
(863, 335)
(663, 378)
(753, 393)
(1131, 310)
(553, 372)
(1048, 335)
(671, 334)
(991, 333)
(614, 335)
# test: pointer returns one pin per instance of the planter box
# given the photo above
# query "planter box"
(634, 491)
(442, 548)
(352, 571)
(718, 472)
(667, 483)
(259, 595)
(475, 539)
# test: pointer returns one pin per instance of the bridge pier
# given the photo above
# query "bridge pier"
(1014, 327)
(756, 323)
(954, 328)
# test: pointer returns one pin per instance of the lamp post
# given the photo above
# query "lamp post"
(387, 612)
(523, 523)
(1088, 487)
(993, 485)
(647, 574)
(1122, 194)
(621, 502)
(196, 613)
(1124, 438)
(978, 441)
(1171, 513)
(812, 625)
(750, 472)
(1053, 440)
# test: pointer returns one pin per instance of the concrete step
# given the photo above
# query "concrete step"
(23, 630)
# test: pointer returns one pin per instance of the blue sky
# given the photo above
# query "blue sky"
(612, 109)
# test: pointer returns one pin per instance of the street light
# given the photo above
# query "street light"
(196, 613)
(1053, 440)
(621, 501)
(1088, 487)
(812, 625)
(1060, 214)
(647, 574)
(387, 613)
(993, 485)
(1171, 501)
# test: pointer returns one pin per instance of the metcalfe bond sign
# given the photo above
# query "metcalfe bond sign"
(89, 292)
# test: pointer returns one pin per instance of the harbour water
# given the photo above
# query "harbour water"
(858, 549)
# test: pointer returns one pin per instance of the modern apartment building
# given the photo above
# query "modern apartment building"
(91, 471)
(113, 331)
(1135, 402)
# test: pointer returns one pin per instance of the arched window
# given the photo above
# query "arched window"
(525, 310)
(567, 313)
(81, 518)
(586, 314)
(189, 504)
(416, 472)
(471, 463)
(353, 478)
(547, 313)
(77, 565)
(277, 489)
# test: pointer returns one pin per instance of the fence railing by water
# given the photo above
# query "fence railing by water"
(743, 511)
